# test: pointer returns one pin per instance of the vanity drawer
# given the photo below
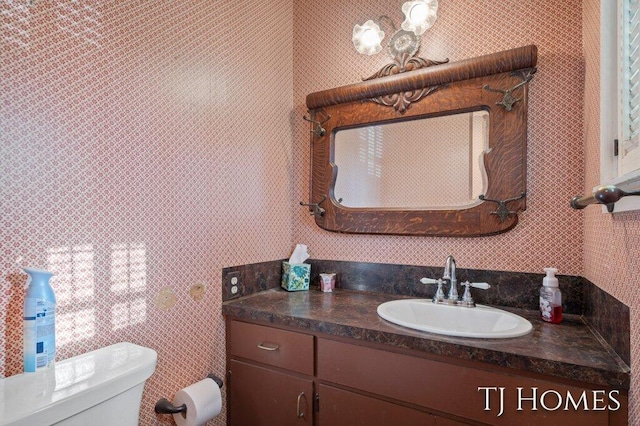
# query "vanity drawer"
(280, 348)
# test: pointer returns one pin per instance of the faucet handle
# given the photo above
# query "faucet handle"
(484, 286)
(467, 300)
(439, 296)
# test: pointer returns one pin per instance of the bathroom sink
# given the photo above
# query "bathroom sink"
(481, 321)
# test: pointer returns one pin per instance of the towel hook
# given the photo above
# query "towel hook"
(508, 99)
(317, 211)
(318, 130)
(502, 211)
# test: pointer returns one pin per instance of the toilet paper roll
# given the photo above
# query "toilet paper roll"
(203, 400)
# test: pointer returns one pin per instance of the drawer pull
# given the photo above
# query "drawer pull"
(298, 412)
(268, 347)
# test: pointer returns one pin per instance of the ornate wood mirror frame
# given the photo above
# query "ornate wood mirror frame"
(496, 83)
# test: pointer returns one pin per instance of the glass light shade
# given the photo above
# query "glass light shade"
(367, 38)
(419, 15)
(403, 42)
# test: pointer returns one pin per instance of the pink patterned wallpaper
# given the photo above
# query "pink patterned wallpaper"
(132, 165)
(562, 132)
(549, 232)
(144, 146)
(611, 242)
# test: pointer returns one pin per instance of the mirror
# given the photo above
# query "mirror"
(432, 162)
(424, 126)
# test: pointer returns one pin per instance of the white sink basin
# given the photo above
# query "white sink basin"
(481, 321)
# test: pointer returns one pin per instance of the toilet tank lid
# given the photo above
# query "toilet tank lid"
(74, 385)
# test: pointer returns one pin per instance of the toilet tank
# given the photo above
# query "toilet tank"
(102, 387)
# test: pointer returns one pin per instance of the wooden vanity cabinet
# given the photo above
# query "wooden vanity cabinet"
(454, 387)
(282, 377)
(270, 376)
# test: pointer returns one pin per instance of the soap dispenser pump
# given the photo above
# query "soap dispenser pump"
(550, 298)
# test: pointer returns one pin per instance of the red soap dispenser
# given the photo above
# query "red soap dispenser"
(550, 298)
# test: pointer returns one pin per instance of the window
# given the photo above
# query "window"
(629, 151)
(620, 98)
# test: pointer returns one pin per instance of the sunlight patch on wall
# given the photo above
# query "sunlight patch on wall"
(73, 268)
(128, 279)
(128, 313)
(75, 325)
(128, 268)
(15, 23)
(79, 19)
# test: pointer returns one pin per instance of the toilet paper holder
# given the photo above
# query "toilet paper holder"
(164, 406)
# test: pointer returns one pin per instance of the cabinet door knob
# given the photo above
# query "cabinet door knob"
(268, 346)
(298, 412)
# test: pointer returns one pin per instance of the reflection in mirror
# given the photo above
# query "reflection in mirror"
(433, 163)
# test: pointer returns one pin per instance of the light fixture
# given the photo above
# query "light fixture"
(367, 38)
(420, 15)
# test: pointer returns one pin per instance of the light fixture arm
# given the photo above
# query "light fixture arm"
(388, 20)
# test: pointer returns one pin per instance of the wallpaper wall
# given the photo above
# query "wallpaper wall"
(611, 242)
(135, 165)
(143, 147)
(549, 232)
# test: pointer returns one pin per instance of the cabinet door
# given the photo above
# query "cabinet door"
(260, 396)
(338, 407)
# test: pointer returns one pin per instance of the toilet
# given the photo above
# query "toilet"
(102, 387)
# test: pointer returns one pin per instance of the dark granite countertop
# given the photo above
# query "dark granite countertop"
(567, 350)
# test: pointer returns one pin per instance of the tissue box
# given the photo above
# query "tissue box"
(295, 276)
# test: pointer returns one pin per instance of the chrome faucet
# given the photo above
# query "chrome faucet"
(450, 274)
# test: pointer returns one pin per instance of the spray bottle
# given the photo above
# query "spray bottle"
(550, 298)
(39, 321)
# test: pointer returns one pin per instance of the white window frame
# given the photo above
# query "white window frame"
(610, 110)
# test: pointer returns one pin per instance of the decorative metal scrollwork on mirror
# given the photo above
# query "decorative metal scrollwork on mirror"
(455, 148)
